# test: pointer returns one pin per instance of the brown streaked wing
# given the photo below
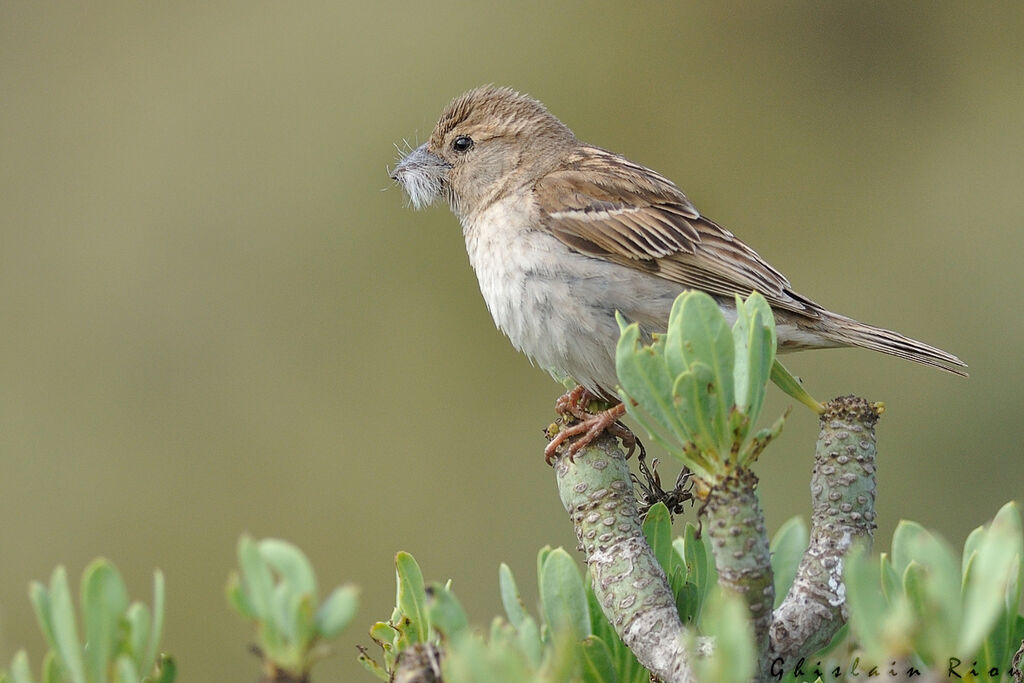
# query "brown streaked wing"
(605, 206)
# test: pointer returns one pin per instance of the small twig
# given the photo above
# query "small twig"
(1017, 666)
(273, 674)
(420, 663)
(650, 491)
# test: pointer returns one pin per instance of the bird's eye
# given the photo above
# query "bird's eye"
(462, 143)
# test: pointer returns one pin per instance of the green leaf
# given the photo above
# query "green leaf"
(385, 635)
(787, 549)
(373, 667)
(239, 598)
(529, 640)
(657, 528)
(257, 580)
(40, 599)
(270, 636)
(303, 614)
(62, 614)
(514, 609)
(411, 598)
(124, 671)
(645, 379)
(792, 386)
(677, 358)
(687, 599)
(337, 611)
(599, 625)
(20, 670)
(892, 587)
(280, 609)
(741, 367)
(564, 597)
(446, 614)
(472, 660)
(905, 541)
(915, 588)
(700, 564)
(104, 600)
(727, 619)
(542, 557)
(51, 669)
(974, 540)
(765, 436)
(137, 620)
(598, 666)
(931, 581)
(168, 670)
(993, 571)
(868, 607)
(754, 339)
(149, 657)
(694, 395)
(291, 564)
(697, 330)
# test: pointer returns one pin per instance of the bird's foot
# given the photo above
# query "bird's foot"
(575, 403)
(576, 421)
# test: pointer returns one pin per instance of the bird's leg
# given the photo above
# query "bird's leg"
(575, 405)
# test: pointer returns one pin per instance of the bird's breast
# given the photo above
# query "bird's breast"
(557, 305)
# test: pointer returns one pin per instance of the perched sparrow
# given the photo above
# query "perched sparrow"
(562, 234)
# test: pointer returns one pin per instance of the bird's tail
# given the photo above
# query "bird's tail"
(849, 332)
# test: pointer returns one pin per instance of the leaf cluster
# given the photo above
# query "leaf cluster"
(570, 639)
(919, 602)
(276, 589)
(699, 388)
(121, 638)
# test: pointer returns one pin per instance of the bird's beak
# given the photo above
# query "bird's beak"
(423, 175)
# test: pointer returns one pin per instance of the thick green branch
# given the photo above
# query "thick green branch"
(597, 492)
(735, 526)
(843, 497)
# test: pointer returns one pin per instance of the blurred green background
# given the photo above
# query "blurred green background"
(217, 315)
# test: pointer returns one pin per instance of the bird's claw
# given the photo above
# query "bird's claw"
(579, 422)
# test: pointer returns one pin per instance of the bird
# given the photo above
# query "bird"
(562, 234)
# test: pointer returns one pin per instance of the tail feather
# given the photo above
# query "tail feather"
(849, 332)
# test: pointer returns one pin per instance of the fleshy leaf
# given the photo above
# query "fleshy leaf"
(337, 611)
(563, 596)
(727, 619)
(257, 581)
(698, 331)
(787, 549)
(510, 599)
(104, 600)
(62, 614)
(645, 378)
(993, 571)
(598, 666)
(411, 598)
(291, 564)
(784, 380)
(446, 614)
(20, 671)
(657, 528)
(695, 397)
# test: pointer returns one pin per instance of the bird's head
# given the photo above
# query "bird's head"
(487, 142)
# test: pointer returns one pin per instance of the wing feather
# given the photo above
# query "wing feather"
(605, 206)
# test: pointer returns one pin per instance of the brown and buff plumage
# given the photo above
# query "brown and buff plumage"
(562, 234)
